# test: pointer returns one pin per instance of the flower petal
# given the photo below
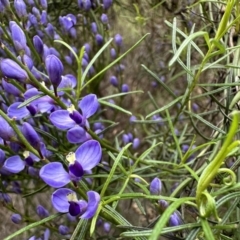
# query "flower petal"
(77, 135)
(17, 113)
(60, 201)
(14, 164)
(89, 105)
(54, 175)
(93, 202)
(61, 119)
(89, 154)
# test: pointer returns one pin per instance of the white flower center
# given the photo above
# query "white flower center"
(72, 197)
(71, 157)
(71, 108)
(26, 154)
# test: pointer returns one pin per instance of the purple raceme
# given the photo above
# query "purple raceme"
(86, 157)
(65, 200)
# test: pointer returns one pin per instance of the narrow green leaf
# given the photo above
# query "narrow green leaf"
(115, 61)
(207, 230)
(108, 180)
(120, 95)
(114, 106)
(184, 44)
(165, 107)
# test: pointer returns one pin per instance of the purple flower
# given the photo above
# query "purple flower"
(114, 81)
(38, 44)
(174, 220)
(113, 53)
(10, 88)
(21, 8)
(18, 36)
(125, 88)
(94, 27)
(107, 227)
(86, 157)
(99, 39)
(104, 18)
(156, 186)
(54, 69)
(107, 4)
(42, 212)
(6, 131)
(63, 230)
(85, 4)
(16, 218)
(118, 40)
(67, 119)
(65, 200)
(31, 135)
(11, 69)
(136, 143)
(5, 3)
(44, 4)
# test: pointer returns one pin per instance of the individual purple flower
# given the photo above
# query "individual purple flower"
(44, 4)
(63, 230)
(21, 8)
(125, 88)
(5, 3)
(42, 212)
(67, 119)
(11, 69)
(86, 157)
(125, 139)
(107, 227)
(85, 4)
(118, 40)
(16, 218)
(155, 186)
(18, 36)
(10, 88)
(87, 48)
(50, 30)
(94, 27)
(163, 205)
(107, 4)
(104, 18)
(31, 135)
(6, 131)
(136, 143)
(54, 69)
(132, 119)
(65, 200)
(44, 19)
(33, 20)
(113, 53)
(114, 81)
(99, 39)
(174, 220)
(38, 44)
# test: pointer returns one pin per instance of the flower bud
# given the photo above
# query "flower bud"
(21, 8)
(16, 218)
(99, 39)
(6, 132)
(118, 40)
(54, 69)
(63, 230)
(107, 227)
(38, 44)
(5, 3)
(174, 220)
(125, 88)
(125, 139)
(104, 18)
(85, 4)
(162, 205)
(94, 27)
(113, 53)
(10, 88)
(31, 135)
(156, 186)
(114, 81)
(44, 4)
(136, 143)
(107, 4)
(42, 212)
(18, 36)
